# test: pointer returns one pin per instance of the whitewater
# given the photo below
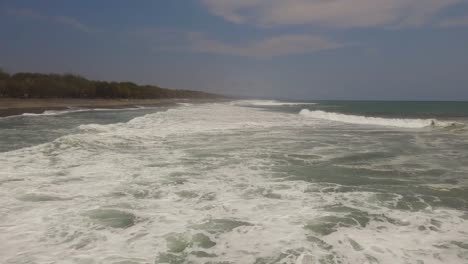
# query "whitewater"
(235, 182)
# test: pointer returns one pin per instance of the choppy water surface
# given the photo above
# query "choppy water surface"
(241, 182)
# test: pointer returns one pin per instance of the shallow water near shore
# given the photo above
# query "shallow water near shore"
(237, 182)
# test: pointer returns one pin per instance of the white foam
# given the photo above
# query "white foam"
(185, 104)
(378, 121)
(268, 103)
(58, 112)
(185, 167)
(77, 110)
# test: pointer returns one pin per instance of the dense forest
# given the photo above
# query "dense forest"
(36, 85)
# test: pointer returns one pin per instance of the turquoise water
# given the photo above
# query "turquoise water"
(239, 182)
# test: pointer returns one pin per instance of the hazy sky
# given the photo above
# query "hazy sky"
(299, 49)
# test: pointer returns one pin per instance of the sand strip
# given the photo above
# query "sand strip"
(14, 106)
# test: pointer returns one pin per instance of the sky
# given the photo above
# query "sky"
(285, 49)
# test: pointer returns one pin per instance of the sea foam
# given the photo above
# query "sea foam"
(221, 183)
(76, 110)
(378, 121)
(269, 103)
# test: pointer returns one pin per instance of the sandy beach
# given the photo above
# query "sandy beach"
(14, 106)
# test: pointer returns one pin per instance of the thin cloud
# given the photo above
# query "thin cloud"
(26, 13)
(74, 23)
(197, 42)
(63, 20)
(266, 48)
(329, 13)
(454, 22)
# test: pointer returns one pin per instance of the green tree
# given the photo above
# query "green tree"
(36, 85)
(4, 76)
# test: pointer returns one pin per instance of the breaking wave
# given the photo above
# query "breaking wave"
(269, 103)
(378, 121)
(215, 183)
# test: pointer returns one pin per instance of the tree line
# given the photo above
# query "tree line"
(37, 85)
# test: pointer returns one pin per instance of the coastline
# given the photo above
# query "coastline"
(15, 106)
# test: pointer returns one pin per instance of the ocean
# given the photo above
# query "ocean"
(250, 181)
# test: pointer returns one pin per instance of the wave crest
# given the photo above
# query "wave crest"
(378, 121)
(268, 103)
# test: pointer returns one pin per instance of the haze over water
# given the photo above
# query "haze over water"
(237, 182)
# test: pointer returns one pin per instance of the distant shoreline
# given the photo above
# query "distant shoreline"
(15, 106)
(63, 87)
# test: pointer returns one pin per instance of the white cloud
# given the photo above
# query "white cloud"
(329, 13)
(196, 42)
(64, 20)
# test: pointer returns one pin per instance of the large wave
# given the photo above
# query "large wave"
(269, 103)
(379, 121)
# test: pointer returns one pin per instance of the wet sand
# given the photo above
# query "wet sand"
(14, 106)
